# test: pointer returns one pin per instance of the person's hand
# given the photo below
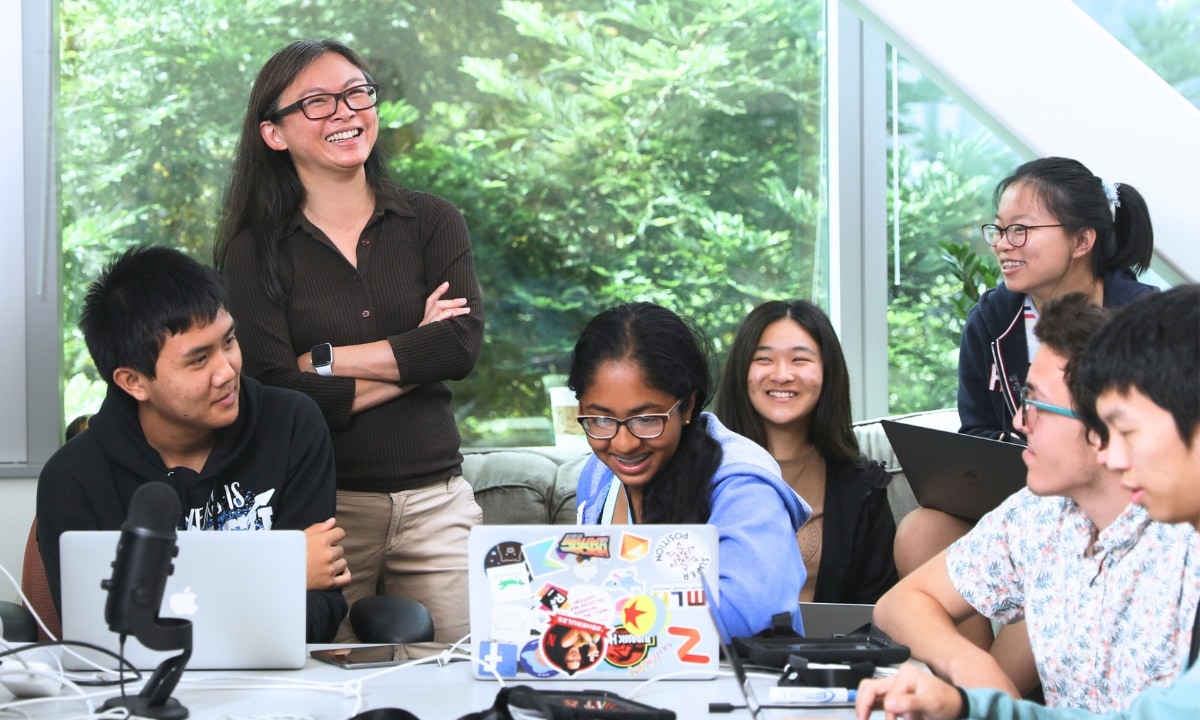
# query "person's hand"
(912, 694)
(327, 568)
(437, 309)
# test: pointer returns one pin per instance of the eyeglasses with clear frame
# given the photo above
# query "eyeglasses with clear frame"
(644, 427)
(1016, 233)
(1026, 404)
(323, 105)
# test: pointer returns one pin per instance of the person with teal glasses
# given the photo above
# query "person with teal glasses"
(1137, 386)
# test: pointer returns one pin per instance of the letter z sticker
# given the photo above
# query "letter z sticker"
(691, 640)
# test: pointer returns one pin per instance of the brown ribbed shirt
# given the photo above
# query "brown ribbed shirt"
(412, 243)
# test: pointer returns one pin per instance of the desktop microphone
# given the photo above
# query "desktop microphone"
(143, 562)
(135, 591)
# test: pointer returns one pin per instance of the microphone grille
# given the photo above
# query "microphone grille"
(154, 507)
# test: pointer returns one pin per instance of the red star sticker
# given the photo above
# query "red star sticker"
(632, 614)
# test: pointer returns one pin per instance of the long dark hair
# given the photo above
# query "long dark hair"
(1071, 193)
(264, 191)
(672, 355)
(831, 429)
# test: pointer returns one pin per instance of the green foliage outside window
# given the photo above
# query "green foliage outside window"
(665, 151)
(601, 151)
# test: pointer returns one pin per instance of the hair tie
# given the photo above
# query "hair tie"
(1111, 192)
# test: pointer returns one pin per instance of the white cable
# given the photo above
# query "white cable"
(80, 696)
(455, 647)
(17, 712)
(38, 619)
(28, 605)
(352, 688)
(677, 674)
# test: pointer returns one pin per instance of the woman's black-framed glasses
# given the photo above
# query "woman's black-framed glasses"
(1016, 233)
(1026, 404)
(645, 427)
(323, 105)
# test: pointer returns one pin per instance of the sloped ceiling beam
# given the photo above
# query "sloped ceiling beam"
(1048, 80)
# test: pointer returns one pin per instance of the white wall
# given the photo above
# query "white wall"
(16, 495)
(17, 498)
(1047, 79)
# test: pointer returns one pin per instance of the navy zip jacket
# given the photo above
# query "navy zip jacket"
(271, 469)
(993, 358)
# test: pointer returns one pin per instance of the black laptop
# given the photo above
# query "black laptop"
(959, 474)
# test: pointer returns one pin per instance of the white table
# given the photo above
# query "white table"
(431, 692)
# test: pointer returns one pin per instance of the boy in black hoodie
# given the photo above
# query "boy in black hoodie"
(241, 456)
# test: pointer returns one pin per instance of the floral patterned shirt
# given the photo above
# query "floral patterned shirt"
(1108, 614)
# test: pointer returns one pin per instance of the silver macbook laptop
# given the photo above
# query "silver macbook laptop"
(958, 474)
(829, 619)
(243, 591)
(592, 602)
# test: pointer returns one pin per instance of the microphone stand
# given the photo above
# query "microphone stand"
(155, 701)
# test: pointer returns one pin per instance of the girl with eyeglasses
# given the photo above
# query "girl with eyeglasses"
(1059, 229)
(786, 387)
(641, 375)
(363, 295)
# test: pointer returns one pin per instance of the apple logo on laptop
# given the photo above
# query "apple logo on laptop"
(184, 602)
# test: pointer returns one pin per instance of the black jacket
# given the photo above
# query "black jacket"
(993, 358)
(271, 469)
(857, 564)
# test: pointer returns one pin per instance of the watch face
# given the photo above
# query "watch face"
(322, 355)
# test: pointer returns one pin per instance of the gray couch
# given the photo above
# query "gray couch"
(537, 485)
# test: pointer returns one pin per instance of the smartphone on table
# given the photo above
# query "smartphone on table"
(372, 656)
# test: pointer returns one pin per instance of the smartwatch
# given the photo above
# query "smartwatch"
(322, 359)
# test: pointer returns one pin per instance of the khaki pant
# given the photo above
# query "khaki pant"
(412, 544)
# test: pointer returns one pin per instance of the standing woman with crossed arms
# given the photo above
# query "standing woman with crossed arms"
(336, 277)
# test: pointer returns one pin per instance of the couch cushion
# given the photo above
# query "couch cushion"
(513, 487)
(562, 500)
(525, 486)
(873, 442)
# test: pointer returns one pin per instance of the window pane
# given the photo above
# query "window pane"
(1162, 33)
(943, 166)
(601, 152)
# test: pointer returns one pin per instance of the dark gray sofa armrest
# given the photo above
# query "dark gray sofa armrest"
(523, 486)
(513, 487)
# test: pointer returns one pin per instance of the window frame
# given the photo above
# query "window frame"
(33, 418)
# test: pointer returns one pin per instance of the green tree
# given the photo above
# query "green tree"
(602, 151)
(648, 151)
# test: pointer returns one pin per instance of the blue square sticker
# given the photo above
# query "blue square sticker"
(497, 659)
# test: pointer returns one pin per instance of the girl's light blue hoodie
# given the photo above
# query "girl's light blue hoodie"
(756, 515)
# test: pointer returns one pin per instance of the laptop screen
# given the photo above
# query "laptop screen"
(243, 591)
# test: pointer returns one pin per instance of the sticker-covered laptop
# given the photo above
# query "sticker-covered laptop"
(597, 602)
(243, 591)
